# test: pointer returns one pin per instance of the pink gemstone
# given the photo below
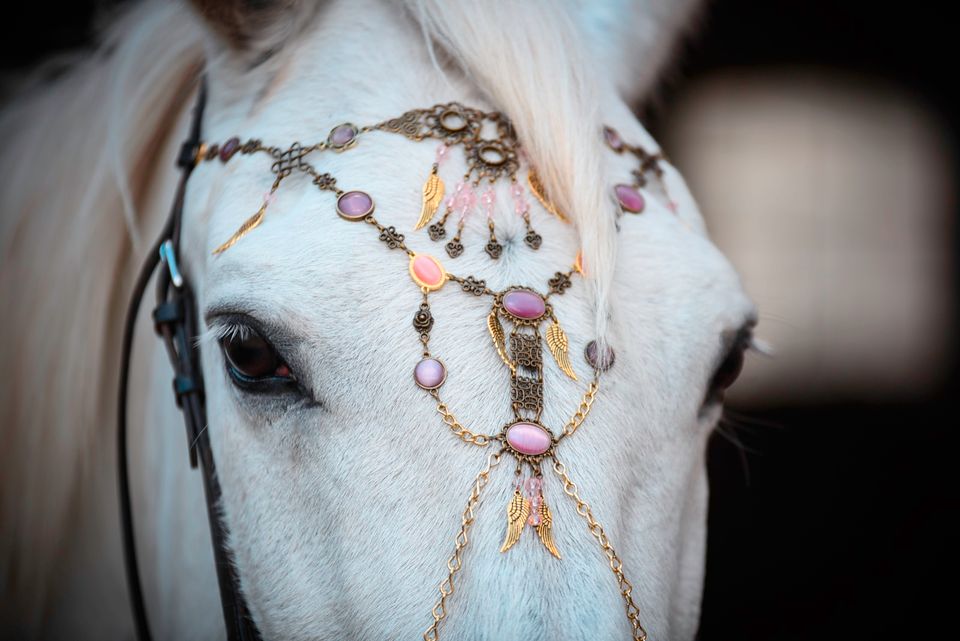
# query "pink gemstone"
(516, 189)
(442, 153)
(528, 438)
(430, 373)
(229, 148)
(342, 135)
(354, 205)
(524, 304)
(426, 271)
(630, 199)
(613, 138)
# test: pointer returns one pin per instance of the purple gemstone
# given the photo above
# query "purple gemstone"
(430, 373)
(342, 135)
(229, 148)
(613, 138)
(524, 304)
(354, 205)
(598, 361)
(630, 198)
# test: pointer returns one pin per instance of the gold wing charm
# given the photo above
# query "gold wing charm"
(499, 339)
(533, 180)
(249, 225)
(558, 344)
(545, 528)
(432, 197)
(517, 512)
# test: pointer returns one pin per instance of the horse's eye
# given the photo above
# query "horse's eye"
(729, 370)
(252, 360)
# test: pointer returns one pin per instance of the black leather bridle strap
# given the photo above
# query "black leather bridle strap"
(175, 318)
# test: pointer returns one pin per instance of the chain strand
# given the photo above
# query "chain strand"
(459, 430)
(616, 565)
(583, 409)
(455, 562)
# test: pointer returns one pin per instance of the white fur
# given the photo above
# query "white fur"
(343, 515)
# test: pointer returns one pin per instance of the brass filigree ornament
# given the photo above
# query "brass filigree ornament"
(515, 320)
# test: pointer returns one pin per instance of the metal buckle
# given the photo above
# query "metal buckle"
(169, 258)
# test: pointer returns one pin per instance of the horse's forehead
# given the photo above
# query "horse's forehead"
(306, 261)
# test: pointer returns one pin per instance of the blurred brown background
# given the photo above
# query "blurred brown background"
(820, 139)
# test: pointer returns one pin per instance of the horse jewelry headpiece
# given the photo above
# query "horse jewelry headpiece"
(528, 314)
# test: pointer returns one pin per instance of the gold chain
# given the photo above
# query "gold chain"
(626, 589)
(582, 410)
(455, 562)
(459, 430)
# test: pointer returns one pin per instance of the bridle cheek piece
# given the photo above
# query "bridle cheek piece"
(175, 320)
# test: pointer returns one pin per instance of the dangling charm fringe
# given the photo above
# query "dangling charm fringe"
(536, 187)
(532, 239)
(518, 509)
(432, 197)
(251, 223)
(558, 343)
(545, 528)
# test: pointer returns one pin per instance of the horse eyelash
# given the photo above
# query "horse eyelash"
(219, 332)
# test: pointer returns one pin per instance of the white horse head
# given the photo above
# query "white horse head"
(343, 493)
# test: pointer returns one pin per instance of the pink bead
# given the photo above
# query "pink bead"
(528, 438)
(532, 486)
(442, 153)
(521, 206)
(465, 196)
(516, 189)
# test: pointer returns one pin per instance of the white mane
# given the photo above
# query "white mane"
(81, 162)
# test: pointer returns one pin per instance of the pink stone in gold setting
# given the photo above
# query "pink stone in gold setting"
(426, 271)
(354, 205)
(528, 438)
(342, 135)
(430, 373)
(524, 304)
(630, 198)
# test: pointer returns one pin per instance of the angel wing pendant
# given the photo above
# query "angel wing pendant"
(249, 225)
(545, 528)
(432, 197)
(499, 338)
(558, 344)
(536, 187)
(517, 512)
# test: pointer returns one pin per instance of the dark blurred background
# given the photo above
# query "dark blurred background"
(820, 138)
